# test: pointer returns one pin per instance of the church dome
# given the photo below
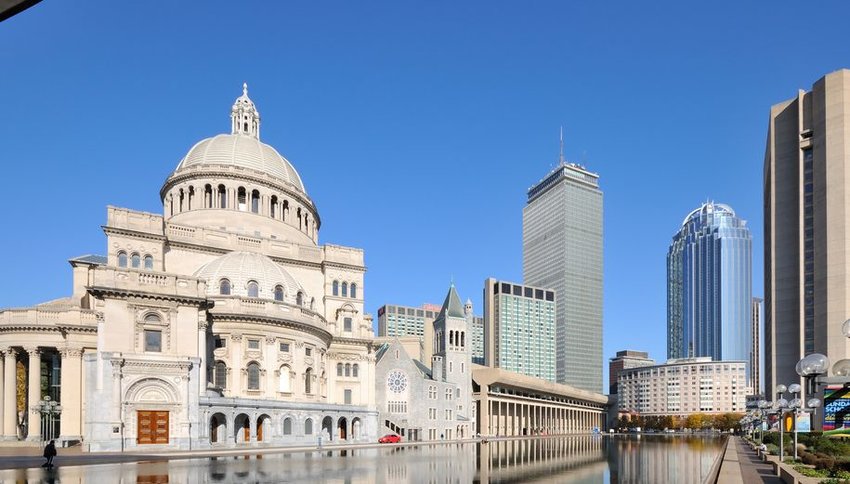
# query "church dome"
(240, 269)
(243, 151)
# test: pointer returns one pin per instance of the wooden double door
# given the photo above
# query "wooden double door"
(152, 427)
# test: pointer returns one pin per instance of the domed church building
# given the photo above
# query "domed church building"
(221, 322)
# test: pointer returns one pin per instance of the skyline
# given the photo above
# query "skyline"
(399, 120)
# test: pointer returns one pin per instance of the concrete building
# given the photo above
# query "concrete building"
(419, 402)
(476, 326)
(514, 404)
(806, 218)
(684, 386)
(562, 250)
(709, 286)
(519, 328)
(624, 360)
(222, 322)
(756, 353)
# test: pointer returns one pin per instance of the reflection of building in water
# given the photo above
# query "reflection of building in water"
(220, 322)
(422, 403)
(526, 460)
(514, 404)
(662, 459)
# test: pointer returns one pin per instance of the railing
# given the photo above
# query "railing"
(81, 317)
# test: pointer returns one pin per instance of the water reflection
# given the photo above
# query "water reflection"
(579, 459)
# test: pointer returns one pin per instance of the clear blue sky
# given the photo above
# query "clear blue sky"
(416, 126)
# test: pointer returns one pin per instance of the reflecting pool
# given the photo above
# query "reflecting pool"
(574, 459)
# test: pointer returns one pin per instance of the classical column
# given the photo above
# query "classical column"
(10, 411)
(202, 352)
(34, 393)
(71, 381)
(2, 391)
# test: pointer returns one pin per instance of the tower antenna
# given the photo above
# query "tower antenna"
(561, 151)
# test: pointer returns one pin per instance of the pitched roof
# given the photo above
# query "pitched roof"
(452, 307)
(424, 369)
(91, 259)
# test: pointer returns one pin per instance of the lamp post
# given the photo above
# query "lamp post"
(781, 406)
(47, 408)
(811, 368)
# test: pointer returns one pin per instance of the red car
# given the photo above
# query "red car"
(389, 439)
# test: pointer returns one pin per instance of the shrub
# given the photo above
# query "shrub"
(809, 472)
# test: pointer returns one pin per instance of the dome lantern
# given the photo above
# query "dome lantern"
(244, 117)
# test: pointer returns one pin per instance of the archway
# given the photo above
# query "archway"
(355, 428)
(327, 427)
(242, 429)
(263, 428)
(342, 428)
(218, 428)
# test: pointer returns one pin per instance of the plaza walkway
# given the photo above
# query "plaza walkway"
(742, 465)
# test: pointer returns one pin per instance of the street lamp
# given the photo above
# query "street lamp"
(811, 368)
(781, 406)
(47, 408)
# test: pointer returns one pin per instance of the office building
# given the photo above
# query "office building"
(756, 353)
(625, 360)
(683, 386)
(709, 286)
(476, 328)
(519, 328)
(562, 250)
(806, 218)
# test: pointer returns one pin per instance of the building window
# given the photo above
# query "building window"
(219, 342)
(354, 290)
(135, 261)
(287, 426)
(355, 369)
(253, 289)
(308, 351)
(222, 197)
(308, 426)
(339, 367)
(255, 201)
(284, 347)
(344, 289)
(346, 324)
(122, 259)
(148, 262)
(348, 369)
(299, 299)
(308, 381)
(240, 199)
(347, 394)
(220, 377)
(278, 293)
(224, 287)
(253, 376)
(253, 344)
(336, 288)
(153, 340)
(285, 379)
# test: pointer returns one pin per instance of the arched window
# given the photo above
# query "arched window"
(222, 197)
(299, 299)
(354, 289)
(339, 369)
(208, 196)
(336, 288)
(344, 289)
(135, 260)
(220, 377)
(255, 201)
(451, 338)
(285, 210)
(273, 212)
(312, 304)
(241, 202)
(348, 369)
(191, 196)
(253, 289)
(355, 369)
(122, 259)
(308, 426)
(224, 287)
(278, 293)
(462, 338)
(182, 197)
(149, 262)
(287, 426)
(308, 381)
(285, 379)
(253, 376)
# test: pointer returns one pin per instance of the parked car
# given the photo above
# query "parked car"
(389, 439)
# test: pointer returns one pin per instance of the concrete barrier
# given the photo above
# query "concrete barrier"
(790, 476)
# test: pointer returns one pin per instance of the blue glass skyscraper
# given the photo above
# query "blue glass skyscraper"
(709, 286)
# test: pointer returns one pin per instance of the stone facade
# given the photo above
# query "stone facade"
(221, 322)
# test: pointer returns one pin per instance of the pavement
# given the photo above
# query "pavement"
(741, 464)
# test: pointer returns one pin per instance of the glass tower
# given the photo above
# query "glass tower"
(562, 250)
(709, 287)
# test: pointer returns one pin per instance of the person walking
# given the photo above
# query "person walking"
(49, 454)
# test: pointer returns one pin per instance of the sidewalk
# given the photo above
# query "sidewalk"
(742, 465)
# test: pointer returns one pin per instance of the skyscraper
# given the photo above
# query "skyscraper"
(519, 328)
(806, 219)
(709, 286)
(756, 368)
(562, 250)
(625, 360)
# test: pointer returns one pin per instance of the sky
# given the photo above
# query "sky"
(417, 127)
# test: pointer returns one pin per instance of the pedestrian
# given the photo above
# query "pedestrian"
(49, 454)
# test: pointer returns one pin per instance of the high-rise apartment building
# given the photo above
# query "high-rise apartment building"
(519, 328)
(806, 219)
(756, 353)
(476, 328)
(709, 286)
(562, 250)
(625, 360)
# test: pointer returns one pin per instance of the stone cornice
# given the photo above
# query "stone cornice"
(324, 335)
(47, 328)
(205, 249)
(132, 233)
(342, 265)
(100, 292)
(353, 341)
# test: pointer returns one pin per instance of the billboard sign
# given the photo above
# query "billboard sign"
(836, 410)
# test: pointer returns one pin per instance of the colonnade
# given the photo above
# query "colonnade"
(507, 415)
(71, 388)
